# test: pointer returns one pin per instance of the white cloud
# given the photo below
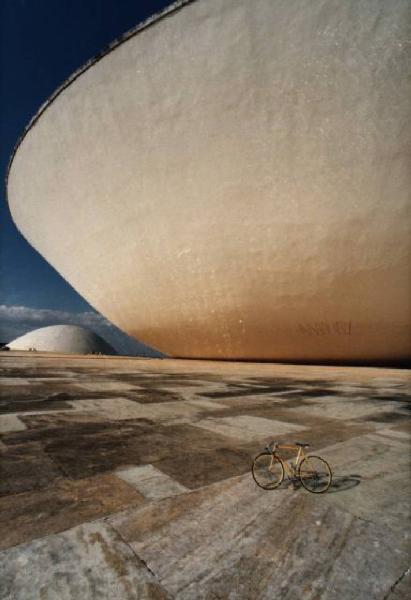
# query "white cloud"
(41, 315)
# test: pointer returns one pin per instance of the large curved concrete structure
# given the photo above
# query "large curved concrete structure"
(68, 339)
(233, 181)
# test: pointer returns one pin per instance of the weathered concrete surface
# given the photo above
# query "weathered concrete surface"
(258, 155)
(146, 501)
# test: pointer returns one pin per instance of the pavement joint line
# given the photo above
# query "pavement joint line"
(396, 582)
(136, 556)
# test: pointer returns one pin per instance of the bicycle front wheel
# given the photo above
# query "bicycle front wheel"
(268, 471)
(315, 474)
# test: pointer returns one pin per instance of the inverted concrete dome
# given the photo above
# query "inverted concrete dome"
(67, 339)
(232, 180)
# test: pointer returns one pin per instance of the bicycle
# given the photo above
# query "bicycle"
(313, 472)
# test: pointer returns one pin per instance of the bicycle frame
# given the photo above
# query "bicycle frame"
(289, 467)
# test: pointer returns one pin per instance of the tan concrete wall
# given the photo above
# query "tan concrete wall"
(234, 181)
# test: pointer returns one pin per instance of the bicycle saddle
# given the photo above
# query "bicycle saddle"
(301, 444)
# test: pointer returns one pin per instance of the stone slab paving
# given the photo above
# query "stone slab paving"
(383, 466)
(207, 404)
(239, 541)
(151, 482)
(89, 561)
(61, 505)
(104, 386)
(129, 478)
(124, 409)
(13, 381)
(248, 428)
(9, 423)
(402, 435)
(335, 409)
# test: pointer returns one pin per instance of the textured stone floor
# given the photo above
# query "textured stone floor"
(129, 478)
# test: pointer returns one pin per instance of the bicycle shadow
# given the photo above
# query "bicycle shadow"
(340, 483)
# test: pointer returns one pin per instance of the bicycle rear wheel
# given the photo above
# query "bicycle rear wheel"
(315, 474)
(268, 471)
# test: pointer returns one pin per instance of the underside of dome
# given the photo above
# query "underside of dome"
(233, 181)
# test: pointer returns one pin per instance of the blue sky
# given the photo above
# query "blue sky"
(41, 43)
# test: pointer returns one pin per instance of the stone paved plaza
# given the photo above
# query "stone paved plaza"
(130, 478)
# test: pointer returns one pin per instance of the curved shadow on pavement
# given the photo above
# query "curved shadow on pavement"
(340, 483)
